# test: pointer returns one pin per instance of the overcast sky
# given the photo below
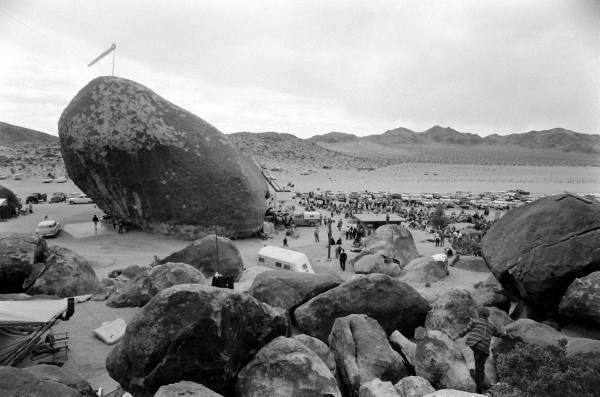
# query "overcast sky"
(311, 67)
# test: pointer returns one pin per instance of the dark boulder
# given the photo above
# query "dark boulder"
(290, 289)
(362, 353)
(396, 305)
(581, 302)
(142, 288)
(18, 255)
(537, 250)
(193, 332)
(65, 274)
(285, 367)
(211, 255)
(320, 348)
(153, 164)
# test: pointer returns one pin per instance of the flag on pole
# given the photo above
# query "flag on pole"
(105, 53)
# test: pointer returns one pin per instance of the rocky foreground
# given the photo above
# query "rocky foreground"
(376, 334)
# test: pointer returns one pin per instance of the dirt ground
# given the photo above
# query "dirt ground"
(111, 250)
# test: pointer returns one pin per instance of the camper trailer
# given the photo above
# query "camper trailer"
(307, 218)
(284, 259)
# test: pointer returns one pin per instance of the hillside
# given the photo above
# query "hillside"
(14, 136)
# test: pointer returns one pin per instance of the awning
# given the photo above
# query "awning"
(30, 312)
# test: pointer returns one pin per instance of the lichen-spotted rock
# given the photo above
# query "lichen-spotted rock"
(160, 167)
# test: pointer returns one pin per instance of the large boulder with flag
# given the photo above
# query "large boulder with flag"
(193, 332)
(537, 250)
(147, 161)
(395, 242)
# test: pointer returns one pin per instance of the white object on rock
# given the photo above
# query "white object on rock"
(111, 331)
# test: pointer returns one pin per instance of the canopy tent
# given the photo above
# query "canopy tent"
(23, 323)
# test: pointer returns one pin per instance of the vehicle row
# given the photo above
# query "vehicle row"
(59, 197)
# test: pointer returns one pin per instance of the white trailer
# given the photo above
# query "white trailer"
(284, 259)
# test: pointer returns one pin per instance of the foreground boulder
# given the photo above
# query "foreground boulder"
(413, 386)
(193, 332)
(18, 255)
(452, 312)
(151, 163)
(424, 270)
(537, 250)
(404, 346)
(210, 255)
(185, 388)
(441, 362)
(320, 348)
(42, 382)
(394, 304)
(377, 388)
(393, 241)
(581, 302)
(290, 289)
(362, 353)
(53, 373)
(143, 287)
(372, 261)
(529, 332)
(65, 274)
(286, 367)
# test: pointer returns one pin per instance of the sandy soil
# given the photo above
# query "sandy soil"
(112, 251)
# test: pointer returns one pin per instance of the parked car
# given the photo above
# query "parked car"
(81, 199)
(35, 198)
(47, 180)
(62, 179)
(58, 197)
(48, 228)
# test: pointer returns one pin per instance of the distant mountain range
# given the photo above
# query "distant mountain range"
(14, 136)
(555, 139)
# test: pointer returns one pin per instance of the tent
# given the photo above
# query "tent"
(23, 323)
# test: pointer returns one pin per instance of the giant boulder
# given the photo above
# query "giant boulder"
(452, 312)
(581, 302)
(143, 287)
(362, 353)
(537, 250)
(156, 165)
(424, 270)
(396, 305)
(290, 289)
(18, 255)
(193, 332)
(394, 241)
(211, 255)
(286, 367)
(65, 274)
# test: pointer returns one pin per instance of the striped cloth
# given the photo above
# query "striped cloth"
(480, 335)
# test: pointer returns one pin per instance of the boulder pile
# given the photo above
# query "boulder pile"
(149, 162)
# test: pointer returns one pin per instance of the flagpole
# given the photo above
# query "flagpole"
(113, 66)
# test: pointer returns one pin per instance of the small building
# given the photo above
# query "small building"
(370, 222)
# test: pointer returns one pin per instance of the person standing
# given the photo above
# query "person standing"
(285, 244)
(339, 225)
(480, 333)
(95, 220)
(343, 257)
(338, 251)
(316, 234)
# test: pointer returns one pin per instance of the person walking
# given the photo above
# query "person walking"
(316, 234)
(285, 244)
(480, 333)
(95, 220)
(343, 257)
(338, 251)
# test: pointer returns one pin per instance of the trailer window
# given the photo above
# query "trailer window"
(286, 267)
(278, 264)
(304, 267)
(261, 259)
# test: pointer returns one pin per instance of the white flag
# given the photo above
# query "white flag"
(105, 53)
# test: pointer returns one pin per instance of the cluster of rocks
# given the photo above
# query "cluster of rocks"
(157, 166)
(28, 265)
